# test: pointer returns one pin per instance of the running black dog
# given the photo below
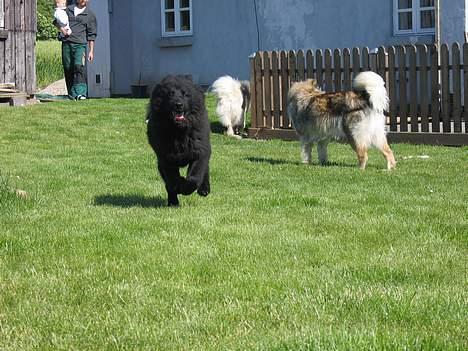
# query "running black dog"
(179, 133)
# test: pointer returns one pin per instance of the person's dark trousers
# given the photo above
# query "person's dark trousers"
(74, 68)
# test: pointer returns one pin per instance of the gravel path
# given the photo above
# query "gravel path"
(56, 88)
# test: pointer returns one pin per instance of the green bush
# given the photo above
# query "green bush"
(45, 29)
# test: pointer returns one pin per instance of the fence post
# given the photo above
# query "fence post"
(253, 92)
(258, 121)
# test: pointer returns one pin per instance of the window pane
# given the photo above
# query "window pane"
(184, 3)
(185, 20)
(170, 22)
(169, 4)
(427, 19)
(405, 4)
(405, 21)
(426, 3)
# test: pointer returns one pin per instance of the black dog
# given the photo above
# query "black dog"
(179, 133)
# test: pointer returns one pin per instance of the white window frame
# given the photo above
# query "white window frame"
(2, 14)
(177, 9)
(416, 19)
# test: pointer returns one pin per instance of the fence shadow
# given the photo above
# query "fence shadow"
(131, 200)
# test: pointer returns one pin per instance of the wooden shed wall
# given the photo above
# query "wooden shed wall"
(17, 45)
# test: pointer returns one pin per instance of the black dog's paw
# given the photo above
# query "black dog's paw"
(186, 187)
(203, 192)
(172, 200)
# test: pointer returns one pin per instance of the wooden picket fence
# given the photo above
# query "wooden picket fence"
(426, 87)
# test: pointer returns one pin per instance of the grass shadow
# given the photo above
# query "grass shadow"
(271, 161)
(126, 201)
(216, 127)
(297, 163)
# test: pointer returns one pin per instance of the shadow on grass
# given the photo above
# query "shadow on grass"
(217, 128)
(130, 201)
(274, 162)
(271, 161)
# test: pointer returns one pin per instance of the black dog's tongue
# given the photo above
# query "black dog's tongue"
(179, 117)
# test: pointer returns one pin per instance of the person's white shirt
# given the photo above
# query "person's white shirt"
(77, 11)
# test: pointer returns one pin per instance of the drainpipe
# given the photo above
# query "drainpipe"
(437, 25)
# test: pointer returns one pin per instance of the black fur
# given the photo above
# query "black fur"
(180, 141)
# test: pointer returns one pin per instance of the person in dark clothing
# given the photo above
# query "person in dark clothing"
(78, 47)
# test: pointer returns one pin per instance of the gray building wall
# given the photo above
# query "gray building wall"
(225, 32)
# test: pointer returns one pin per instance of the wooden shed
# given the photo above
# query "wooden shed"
(17, 44)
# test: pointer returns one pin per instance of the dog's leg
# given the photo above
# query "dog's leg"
(230, 132)
(361, 152)
(322, 152)
(196, 176)
(170, 175)
(204, 189)
(388, 154)
(306, 148)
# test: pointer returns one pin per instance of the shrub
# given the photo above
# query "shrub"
(45, 29)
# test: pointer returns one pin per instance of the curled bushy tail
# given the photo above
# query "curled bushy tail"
(374, 85)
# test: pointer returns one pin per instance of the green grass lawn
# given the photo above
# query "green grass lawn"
(48, 62)
(281, 256)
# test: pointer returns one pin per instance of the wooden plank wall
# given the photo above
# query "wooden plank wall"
(17, 50)
(426, 87)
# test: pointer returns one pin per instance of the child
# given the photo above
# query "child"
(61, 16)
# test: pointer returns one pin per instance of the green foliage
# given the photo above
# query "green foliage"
(280, 256)
(48, 62)
(45, 29)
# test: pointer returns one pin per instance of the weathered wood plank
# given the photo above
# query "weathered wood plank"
(292, 67)
(328, 70)
(424, 95)
(310, 64)
(253, 91)
(401, 51)
(367, 58)
(300, 65)
(392, 89)
(276, 89)
(445, 86)
(435, 86)
(319, 67)
(258, 120)
(456, 102)
(284, 88)
(382, 63)
(455, 139)
(356, 62)
(337, 69)
(347, 69)
(413, 88)
(267, 89)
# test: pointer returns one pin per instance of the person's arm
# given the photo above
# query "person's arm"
(91, 50)
(91, 33)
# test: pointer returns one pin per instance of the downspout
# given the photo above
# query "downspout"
(437, 36)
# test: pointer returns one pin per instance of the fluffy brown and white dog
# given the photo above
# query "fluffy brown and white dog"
(356, 116)
(233, 103)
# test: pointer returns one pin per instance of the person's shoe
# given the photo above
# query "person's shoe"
(81, 97)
